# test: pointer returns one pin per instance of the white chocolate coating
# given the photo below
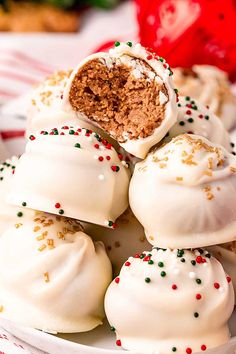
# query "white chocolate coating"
(226, 254)
(48, 268)
(184, 194)
(195, 118)
(161, 73)
(45, 110)
(210, 86)
(72, 172)
(126, 239)
(161, 302)
(9, 214)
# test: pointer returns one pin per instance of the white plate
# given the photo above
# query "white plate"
(101, 340)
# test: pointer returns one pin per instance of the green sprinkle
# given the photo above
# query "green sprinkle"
(207, 117)
(181, 123)
(160, 264)
(116, 44)
(129, 44)
(20, 214)
(24, 204)
(176, 90)
(110, 223)
(1, 178)
(196, 314)
(187, 98)
(150, 262)
(142, 256)
(193, 263)
(179, 104)
(61, 211)
(182, 260)
(180, 253)
(174, 349)
(190, 120)
(77, 145)
(163, 274)
(112, 329)
(198, 281)
(147, 280)
(161, 59)
(72, 132)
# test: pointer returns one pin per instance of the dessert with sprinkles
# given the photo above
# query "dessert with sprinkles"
(117, 162)
(126, 238)
(9, 214)
(127, 92)
(226, 254)
(184, 193)
(211, 87)
(195, 118)
(72, 171)
(48, 268)
(167, 301)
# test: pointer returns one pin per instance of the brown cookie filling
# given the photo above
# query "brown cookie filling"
(124, 106)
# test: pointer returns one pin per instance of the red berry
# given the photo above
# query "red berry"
(203, 347)
(127, 264)
(118, 342)
(117, 280)
(216, 285)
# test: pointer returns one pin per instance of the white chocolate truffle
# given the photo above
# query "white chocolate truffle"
(195, 118)
(184, 194)
(9, 214)
(127, 238)
(128, 93)
(226, 254)
(45, 109)
(210, 86)
(52, 276)
(170, 301)
(72, 172)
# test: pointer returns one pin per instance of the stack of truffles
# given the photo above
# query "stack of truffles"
(114, 153)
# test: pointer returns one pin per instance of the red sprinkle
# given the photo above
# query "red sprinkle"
(146, 259)
(149, 57)
(120, 156)
(199, 259)
(118, 342)
(57, 205)
(114, 226)
(65, 127)
(228, 279)
(174, 286)
(189, 351)
(216, 285)
(100, 158)
(127, 264)
(198, 296)
(108, 157)
(188, 112)
(203, 347)
(137, 255)
(117, 280)
(32, 137)
(96, 146)
(62, 133)
(79, 130)
(200, 116)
